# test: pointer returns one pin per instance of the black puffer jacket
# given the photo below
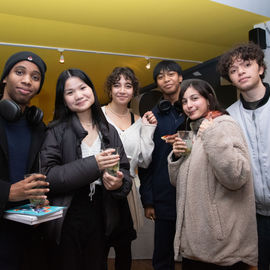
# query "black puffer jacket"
(67, 171)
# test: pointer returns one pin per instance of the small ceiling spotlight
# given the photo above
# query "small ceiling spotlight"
(148, 65)
(61, 59)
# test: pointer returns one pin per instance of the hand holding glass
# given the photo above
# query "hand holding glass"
(187, 137)
(36, 202)
(115, 168)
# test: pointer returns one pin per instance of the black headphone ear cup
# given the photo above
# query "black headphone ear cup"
(164, 106)
(10, 110)
(178, 106)
(34, 115)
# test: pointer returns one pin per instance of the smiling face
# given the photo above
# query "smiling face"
(22, 83)
(122, 91)
(245, 74)
(78, 96)
(194, 104)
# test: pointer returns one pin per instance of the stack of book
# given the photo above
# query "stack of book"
(27, 214)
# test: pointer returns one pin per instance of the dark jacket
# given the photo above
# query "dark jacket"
(156, 189)
(67, 171)
(38, 134)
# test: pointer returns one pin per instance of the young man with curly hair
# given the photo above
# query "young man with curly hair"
(244, 67)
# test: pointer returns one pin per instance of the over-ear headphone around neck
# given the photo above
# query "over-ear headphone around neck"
(165, 106)
(12, 112)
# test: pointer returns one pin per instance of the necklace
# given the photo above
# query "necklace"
(117, 114)
(87, 123)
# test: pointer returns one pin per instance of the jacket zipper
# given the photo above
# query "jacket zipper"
(258, 152)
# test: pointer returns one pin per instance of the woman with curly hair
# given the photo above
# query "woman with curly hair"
(136, 135)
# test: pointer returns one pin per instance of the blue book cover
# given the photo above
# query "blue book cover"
(27, 209)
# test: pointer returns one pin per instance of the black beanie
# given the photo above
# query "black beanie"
(25, 56)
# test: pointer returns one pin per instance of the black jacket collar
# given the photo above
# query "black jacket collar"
(261, 102)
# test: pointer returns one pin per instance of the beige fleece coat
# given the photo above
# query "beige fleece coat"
(216, 220)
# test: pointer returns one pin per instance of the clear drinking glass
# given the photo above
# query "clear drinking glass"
(114, 169)
(35, 202)
(187, 137)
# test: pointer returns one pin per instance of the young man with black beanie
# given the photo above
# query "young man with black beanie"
(21, 135)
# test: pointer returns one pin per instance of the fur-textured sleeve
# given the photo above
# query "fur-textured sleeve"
(227, 152)
(173, 168)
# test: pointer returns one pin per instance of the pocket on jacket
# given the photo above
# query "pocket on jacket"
(217, 226)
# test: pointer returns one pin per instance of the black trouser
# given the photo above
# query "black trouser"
(82, 243)
(196, 265)
(263, 226)
(122, 255)
(21, 246)
(163, 258)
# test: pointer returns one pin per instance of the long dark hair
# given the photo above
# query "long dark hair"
(63, 113)
(205, 90)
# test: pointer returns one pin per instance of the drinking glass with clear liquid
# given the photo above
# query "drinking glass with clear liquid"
(187, 137)
(35, 202)
(114, 169)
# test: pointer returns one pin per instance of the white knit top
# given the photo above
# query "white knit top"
(137, 141)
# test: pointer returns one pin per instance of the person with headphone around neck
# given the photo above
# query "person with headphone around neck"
(157, 194)
(21, 135)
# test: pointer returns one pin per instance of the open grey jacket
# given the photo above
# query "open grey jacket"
(256, 128)
(216, 220)
(67, 171)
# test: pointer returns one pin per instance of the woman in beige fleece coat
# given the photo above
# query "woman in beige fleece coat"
(216, 224)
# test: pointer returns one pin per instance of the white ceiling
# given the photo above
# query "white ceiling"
(261, 7)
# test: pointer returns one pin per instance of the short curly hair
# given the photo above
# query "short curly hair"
(114, 77)
(245, 51)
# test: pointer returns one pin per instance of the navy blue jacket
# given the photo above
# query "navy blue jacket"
(156, 189)
(38, 135)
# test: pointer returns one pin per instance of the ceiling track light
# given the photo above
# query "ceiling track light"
(62, 58)
(148, 65)
(97, 52)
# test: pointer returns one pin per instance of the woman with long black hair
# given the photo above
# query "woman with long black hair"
(75, 156)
